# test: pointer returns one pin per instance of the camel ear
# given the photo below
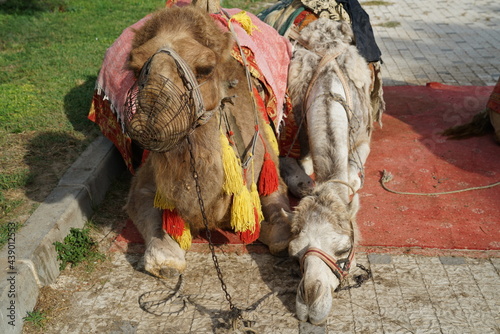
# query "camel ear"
(224, 47)
(137, 58)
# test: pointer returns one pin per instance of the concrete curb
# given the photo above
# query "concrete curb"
(33, 260)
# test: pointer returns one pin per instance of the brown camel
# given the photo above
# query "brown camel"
(180, 54)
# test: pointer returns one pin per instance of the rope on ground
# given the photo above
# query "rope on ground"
(387, 177)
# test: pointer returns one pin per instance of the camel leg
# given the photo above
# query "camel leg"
(275, 231)
(163, 257)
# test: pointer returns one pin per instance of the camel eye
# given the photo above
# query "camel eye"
(342, 251)
(203, 71)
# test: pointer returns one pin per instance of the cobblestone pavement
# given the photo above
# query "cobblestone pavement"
(408, 294)
(452, 42)
(449, 41)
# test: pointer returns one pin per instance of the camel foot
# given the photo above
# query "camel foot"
(164, 258)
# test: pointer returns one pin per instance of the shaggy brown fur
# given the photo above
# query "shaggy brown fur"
(196, 38)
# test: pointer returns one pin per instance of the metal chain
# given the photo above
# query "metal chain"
(359, 279)
(236, 311)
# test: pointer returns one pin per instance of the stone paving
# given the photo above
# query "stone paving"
(452, 42)
(408, 294)
(449, 41)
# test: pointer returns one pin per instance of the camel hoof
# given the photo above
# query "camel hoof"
(167, 272)
(164, 258)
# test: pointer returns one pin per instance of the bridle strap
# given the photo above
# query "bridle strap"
(345, 184)
(334, 264)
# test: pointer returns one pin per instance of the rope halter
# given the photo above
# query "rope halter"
(339, 267)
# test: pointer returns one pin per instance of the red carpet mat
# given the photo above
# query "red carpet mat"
(409, 145)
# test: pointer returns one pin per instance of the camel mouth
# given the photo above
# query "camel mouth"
(159, 115)
(314, 303)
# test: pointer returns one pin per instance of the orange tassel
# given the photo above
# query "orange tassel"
(250, 236)
(173, 223)
(268, 180)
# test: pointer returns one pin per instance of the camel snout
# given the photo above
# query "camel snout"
(313, 302)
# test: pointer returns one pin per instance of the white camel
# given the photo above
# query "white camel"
(329, 82)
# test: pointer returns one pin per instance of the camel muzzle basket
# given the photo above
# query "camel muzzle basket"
(159, 114)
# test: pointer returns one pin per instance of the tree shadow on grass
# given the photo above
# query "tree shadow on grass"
(49, 154)
(77, 103)
(32, 7)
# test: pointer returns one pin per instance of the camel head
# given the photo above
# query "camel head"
(322, 226)
(178, 57)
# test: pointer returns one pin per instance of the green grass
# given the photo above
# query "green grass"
(77, 247)
(389, 24)
(50, 54)
(253, 6)
(6, 230)
(376, 3)
(36, 318)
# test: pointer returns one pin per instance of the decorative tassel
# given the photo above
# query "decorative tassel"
(173, 223)
(233, 181)
(251, 235)
(245, 21)
(271, 136)
(185, 239)
(268, 130)
(256, 203)
(177, 228)
(242, 214)
(162, 202)
(268, 180)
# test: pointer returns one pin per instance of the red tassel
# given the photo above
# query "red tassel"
(173, 224)
(248, 236)
(268, 180)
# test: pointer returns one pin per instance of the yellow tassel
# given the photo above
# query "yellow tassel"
(256, 198)
(185, 239)
(245, 21)
(242, 214)
(161, 202)
(256, 201)
(233, 172)
(271, 136)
